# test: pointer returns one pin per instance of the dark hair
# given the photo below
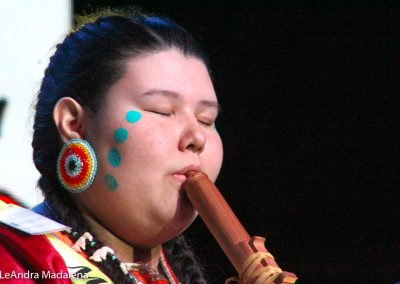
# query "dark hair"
(84, 67)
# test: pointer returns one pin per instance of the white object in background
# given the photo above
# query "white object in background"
(30, 29)
(28, 221)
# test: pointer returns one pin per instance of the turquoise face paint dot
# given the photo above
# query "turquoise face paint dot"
(114, 158)
(133, 116)
(111, 182)
(120, 135)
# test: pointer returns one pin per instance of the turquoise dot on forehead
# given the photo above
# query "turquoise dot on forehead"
(120, 135)
(111, 182)
(133, 116)
(114, 158)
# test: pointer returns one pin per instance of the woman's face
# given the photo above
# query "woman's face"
(157, 122)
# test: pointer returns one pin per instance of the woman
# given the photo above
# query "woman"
(125, 109)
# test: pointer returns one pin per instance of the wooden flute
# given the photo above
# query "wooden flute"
(252, 261)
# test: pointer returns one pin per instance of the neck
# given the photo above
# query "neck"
(124, 251)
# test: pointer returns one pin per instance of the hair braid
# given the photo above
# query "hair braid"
(68, 214)
(183, 261)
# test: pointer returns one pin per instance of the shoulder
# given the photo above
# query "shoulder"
(21, 251)
(44, 209)
(25, 256)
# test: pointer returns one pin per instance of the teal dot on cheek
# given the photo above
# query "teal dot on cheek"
(111, 182)
(133, 116)
(114, 158)
(120, 135)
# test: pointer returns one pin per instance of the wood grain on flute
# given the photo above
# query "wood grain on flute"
(242, 250)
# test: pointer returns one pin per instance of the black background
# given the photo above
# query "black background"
(310, 120)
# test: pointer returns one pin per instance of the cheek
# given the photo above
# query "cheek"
(115, 156)
(213, 156)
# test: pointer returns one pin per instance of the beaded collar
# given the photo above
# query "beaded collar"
(137, 273)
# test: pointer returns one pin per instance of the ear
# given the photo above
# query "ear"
(68, 118)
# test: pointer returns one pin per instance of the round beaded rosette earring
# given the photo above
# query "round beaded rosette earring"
(76, 165)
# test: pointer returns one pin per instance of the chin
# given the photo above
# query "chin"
(185, 215)
(174, 221)
(173, 229)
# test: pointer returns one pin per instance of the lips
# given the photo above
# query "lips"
(180, 175)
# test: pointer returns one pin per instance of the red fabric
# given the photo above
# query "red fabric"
(20, 252)
(8, 200)
(169, 267)
(147, 278)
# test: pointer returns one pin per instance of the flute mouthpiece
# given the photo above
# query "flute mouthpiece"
(190, 173)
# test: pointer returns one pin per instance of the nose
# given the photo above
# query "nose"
(192, 138)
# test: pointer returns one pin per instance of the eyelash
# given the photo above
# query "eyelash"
(162, 113)
(206, 123)
(166, 114)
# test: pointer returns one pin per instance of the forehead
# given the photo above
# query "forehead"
(169, 70)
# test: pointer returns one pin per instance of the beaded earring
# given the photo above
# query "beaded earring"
(76, 165)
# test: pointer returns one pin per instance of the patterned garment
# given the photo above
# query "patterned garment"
(49, 258)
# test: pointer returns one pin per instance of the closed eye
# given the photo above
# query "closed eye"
(206, 122)
(167, 114)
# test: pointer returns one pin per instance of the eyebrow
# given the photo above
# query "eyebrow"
(175, 95)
